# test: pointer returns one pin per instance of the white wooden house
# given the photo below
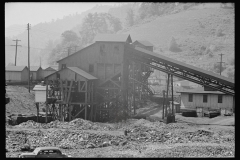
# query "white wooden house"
(200, 98)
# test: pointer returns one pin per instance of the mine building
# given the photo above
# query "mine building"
(108, 79)
(143, 44)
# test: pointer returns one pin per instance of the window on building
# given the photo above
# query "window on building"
(116, 48)
(220, 98)
(58, 76)
(63, 66)
(91, 68)
(190, 97)
(102, 49)
(205, 98)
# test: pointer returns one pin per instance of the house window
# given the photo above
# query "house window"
(63, 66)
(220, 98)
(116, 48)
(58, 76)
(190, 97)
(91, 68)
(204, 98)
(102, 49)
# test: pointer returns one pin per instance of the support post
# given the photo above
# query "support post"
(163, 104)
(46, 112)
(172, 95)
(134, 107)
(37, 105)
(124, 79)
(86, 112)
(167, 94)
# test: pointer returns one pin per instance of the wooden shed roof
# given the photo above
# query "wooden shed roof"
(199, 91)
(34, 68)
(144, 42)
(15, 68)
(113, 38)
(49, 69)
(78, 71)
(82, 73)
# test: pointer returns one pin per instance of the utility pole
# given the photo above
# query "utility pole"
(16, 50)
(40, 61)
(28, 28)
(221, 63)
(68, 50)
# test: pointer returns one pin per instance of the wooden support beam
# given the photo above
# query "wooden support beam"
(167, 93)
(172, 94)
(134, 107)
(114, 76)
(85, 112)
(79, 111)
(115, 83)
(46, 113)
(69, 92)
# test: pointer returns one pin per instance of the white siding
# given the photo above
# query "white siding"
(212, 101)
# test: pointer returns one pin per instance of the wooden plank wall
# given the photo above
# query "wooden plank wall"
(112, 58)
(227, 101)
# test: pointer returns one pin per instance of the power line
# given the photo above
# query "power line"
(16, 50)
(221, 63)
(28, 28)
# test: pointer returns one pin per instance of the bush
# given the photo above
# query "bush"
(230, 72)
(219, 32)
(216, 68)
(174, 46)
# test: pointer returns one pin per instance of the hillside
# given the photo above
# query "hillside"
(41, 35)
(195, 31)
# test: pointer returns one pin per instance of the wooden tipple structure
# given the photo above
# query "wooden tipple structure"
(107, 79)
(91, 83)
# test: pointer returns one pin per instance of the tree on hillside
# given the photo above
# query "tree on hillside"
(98, 23)
(130, 18)
(69, 36)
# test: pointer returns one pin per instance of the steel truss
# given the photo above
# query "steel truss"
(181, 73)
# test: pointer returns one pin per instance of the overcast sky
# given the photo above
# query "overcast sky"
(36, 12)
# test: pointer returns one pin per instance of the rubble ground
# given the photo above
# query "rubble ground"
(188, 137)
(83, 138)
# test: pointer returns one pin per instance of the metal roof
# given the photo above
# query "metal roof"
(82, 73)
(144, 42)
(187, 67)
(197, 91)
(34, 68)
(112, 38)
(15, 68)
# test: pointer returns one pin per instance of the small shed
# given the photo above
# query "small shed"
(16, 73)
(47, 71)
(144, 44)
(35, 73)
